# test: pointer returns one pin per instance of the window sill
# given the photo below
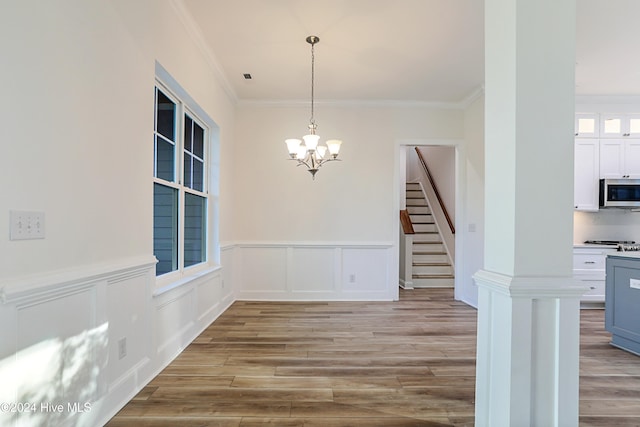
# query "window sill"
(185, 280)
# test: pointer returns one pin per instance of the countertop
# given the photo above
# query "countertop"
(632, 254)
(592, 246)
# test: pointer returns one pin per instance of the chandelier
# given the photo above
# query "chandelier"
(309, 153)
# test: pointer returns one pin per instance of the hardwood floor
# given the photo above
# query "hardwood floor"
(408, 363)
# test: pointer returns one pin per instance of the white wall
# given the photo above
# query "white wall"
(346, 220)
(77, 145)
(472, 214)
(351, 200)
(76, 129)
(74, 136)
(442, 165)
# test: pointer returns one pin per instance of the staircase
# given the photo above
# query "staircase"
(431, 266)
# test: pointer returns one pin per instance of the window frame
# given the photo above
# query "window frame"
(186, 106)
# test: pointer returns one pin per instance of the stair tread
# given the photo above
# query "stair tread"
(429, 253)
(424, 244)
(432, 276)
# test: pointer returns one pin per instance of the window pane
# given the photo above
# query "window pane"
(198, 141)
(165, 228)
(194, 229)
(165, 116)
(187, 170)
(188, 130)
(165, 159)
(198, 175)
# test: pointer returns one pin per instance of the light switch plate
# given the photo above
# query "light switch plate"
(26, 225)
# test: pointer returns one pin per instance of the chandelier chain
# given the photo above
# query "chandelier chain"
(313, 61)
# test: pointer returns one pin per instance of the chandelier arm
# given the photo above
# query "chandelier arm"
(302, 162)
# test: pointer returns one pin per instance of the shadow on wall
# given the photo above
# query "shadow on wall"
(53, 380)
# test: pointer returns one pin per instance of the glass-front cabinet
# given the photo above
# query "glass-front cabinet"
(620, 126)
(587, 125)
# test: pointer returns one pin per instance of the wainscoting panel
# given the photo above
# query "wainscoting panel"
(310, 271)
(59, 356)
(263, 269)
(230, 259)
(91, 338)
(128, 328)
(366, 270)
(210, 297)
(172, 325)
(57, 353)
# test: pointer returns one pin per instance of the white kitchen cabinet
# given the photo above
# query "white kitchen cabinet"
(587, 125)
(620, 158)
(586, 170)
(620, 125)
(589, 269)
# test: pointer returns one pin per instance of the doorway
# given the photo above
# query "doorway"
(468, 209)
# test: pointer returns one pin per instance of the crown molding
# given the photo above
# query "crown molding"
(195, 33)
(608, 99)
(472, 97)
(350, 103)
(370, 103)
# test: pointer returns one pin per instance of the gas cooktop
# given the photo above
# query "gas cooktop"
(628, 248)
(609, 242)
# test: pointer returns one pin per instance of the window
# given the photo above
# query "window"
(180, 185)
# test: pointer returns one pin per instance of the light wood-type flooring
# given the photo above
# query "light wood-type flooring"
(405, 363)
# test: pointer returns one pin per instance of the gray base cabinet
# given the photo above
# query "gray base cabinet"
(622, 301)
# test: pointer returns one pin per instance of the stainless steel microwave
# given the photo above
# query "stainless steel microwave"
(620, 193)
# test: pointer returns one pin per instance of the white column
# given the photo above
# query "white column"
(528, 322)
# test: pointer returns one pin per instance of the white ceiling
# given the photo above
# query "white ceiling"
(400, 50)
(607, 58)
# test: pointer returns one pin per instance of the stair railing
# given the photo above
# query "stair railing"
(405, 220)
(406, 250)
(435, 190)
